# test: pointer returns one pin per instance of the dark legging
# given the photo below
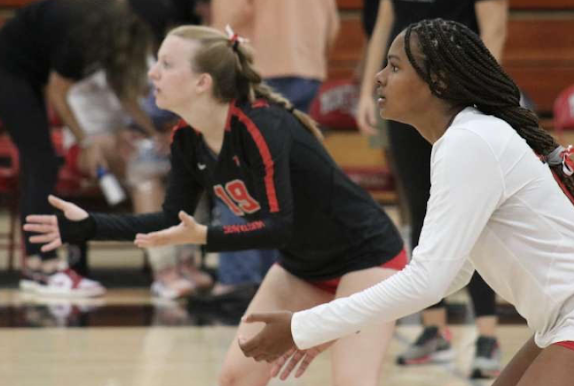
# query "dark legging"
(411, 159)
(23, 114)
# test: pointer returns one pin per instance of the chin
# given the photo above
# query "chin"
(383, 113)
(161, 104)
(391, 117)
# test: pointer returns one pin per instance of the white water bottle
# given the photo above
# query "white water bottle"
(110, 186)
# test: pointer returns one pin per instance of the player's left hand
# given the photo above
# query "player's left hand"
(273, 341)
(188, 231)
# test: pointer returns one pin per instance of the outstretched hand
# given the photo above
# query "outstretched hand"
(274, 341)
(188, 231)
(295, 357)
(47, 225)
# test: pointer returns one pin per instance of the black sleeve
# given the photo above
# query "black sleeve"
(183, 193)
(267, 152)
(68, 58)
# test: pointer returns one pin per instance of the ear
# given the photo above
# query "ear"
(204, 83)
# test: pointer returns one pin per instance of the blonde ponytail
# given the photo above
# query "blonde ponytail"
(230, 64)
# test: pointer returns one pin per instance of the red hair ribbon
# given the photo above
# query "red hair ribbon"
(567, 163)
(234, 38)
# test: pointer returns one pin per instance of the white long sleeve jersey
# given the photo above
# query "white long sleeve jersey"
(494, 207)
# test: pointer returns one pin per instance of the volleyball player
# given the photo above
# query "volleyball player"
(501, 203)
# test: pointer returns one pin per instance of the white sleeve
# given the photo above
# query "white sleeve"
(466, 187)
(462, 279)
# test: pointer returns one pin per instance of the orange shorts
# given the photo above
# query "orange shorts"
(397, 263)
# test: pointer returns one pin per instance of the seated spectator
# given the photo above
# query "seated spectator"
(138, 163)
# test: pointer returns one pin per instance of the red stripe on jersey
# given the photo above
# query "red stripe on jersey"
(260, 103)
(267, 159)
(229, 115)
(179, 125)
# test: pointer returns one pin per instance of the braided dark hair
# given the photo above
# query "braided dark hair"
(458, 68)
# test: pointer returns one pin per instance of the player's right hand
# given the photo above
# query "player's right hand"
(367, 116)
(47, 225)
(95, 158)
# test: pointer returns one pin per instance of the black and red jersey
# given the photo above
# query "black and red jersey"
(277, 175)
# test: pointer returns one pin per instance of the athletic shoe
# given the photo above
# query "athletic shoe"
(177, 289)
(170, 284)
(429, 347)
(486, 363)
(31, 279)
(202, 280)
(68, 284)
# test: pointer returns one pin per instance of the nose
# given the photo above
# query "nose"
(381, 77)
(153, 72)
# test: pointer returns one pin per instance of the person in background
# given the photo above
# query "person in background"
(141, 166)
(44, 49)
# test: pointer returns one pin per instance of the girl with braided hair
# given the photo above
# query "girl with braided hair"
(488, 18)
(501, 203)
(248, 147)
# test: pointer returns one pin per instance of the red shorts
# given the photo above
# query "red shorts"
(567, 343)
(397, 263)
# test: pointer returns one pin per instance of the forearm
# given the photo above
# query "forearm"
(124, 227)
(58, 100)
(376, 48)
(494, 41)
(492, 18)
(133, 108)
(252, 235)
(404, 293)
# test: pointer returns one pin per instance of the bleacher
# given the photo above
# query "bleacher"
(539, 53)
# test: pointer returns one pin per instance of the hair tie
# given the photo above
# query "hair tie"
(234, 39)
(561, 156)
(234, 42)
(291, 108)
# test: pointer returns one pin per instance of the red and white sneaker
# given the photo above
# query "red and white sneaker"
(170, 284)
(31, 279)
(68, 283)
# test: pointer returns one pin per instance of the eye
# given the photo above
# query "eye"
(165, 64)
(394, 68)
